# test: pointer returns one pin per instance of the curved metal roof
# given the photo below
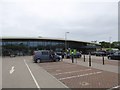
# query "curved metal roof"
(46, 38)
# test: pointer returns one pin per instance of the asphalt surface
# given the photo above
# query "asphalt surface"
(18, 76)
(21, 72)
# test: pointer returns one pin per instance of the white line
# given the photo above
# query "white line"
(31, 74)
(12, 70)
(57, 67)
(114, 87)
(80, 75)
(72, 72)
(55, 78)
(52, 66)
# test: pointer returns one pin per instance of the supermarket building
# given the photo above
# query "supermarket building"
(28, 44)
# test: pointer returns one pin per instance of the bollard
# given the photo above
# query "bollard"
(84, 57)
(89, 59)
(103, 60)
(72, 59)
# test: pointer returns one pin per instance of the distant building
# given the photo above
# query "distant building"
(28, 45)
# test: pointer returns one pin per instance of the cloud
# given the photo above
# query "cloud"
(52, 18)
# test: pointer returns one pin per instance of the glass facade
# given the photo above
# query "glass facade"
(30, 45)
(27, 46)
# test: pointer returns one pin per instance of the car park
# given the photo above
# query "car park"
(114, 56)
(45, 55)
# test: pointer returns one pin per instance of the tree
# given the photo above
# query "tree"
(105, 44)
(116, 44)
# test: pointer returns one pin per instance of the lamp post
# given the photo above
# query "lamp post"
(110, 41)
(66, 40)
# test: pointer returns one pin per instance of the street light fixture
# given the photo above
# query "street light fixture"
(66, 40)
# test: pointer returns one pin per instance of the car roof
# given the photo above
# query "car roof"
(41, 51)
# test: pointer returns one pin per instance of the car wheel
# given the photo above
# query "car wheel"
(38, 60)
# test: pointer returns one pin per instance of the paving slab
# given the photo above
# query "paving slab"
(105, 67)
(78, 76)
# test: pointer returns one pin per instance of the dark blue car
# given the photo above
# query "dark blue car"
(114, 56)
(45, 55)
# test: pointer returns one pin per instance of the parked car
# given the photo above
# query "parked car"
(78, 55)
(101, 53)
(20, 54)
(93, 53)
(115, 56)
(111, 52)
(45, 55)
(68, 55)
(61, 54)
(12, 55)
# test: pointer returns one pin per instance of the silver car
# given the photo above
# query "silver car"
(45, 55)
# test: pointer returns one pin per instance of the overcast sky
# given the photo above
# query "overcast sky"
(86, 21)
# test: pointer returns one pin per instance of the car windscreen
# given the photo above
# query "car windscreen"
(117, 53)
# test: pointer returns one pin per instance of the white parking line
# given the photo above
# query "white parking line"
(51, 66)
(12, 70)
(56, 79)
(80, 75)
(32, 74)
(72, 72)
(114, 87)
(58, 67)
